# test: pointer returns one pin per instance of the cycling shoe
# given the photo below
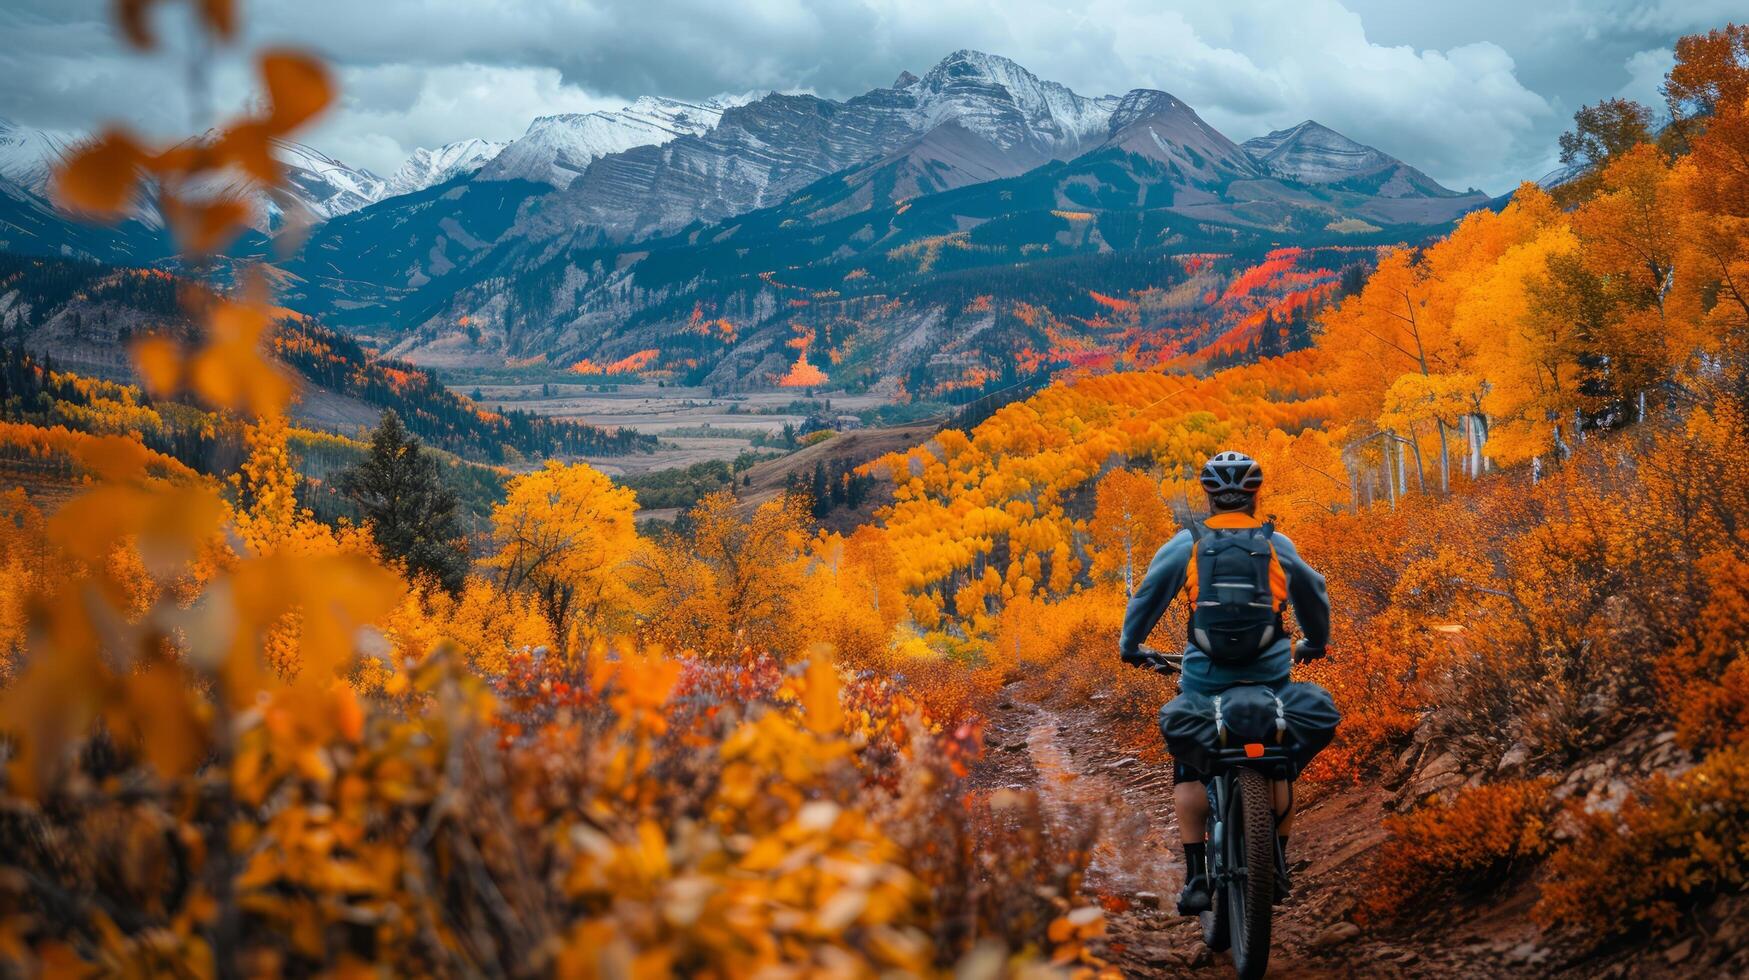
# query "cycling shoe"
(1196, 898)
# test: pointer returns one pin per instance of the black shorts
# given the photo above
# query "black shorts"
(1182, 773)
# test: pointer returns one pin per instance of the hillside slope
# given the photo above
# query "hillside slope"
(84, 316)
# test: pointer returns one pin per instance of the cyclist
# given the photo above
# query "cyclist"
(1232, 481)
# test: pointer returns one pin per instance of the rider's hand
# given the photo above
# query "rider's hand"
(1305, 652)
(1139, 657)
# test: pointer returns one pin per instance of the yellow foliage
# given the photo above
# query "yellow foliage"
(564, 535)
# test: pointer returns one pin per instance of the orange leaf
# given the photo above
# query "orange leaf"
(159, 361)
(250, 146)
(99, 177)
(825, 716)
(220, 17)
(114, 459)
(132, 14)
(163, 713)
(298, 87)
(208, 226)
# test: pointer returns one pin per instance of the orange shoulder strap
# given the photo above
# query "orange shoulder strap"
(1277, 579)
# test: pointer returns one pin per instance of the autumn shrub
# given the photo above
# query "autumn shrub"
(1704, 678)
(1002, 867)
(1065, 654)
(1462, 847)
(1672, 844)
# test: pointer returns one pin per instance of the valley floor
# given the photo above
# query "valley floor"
(677, 416)
(1137, 870)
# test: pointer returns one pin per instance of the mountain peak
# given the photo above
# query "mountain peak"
(1001, 101)
(1312, 153)
(905, 78)
(557, 148)
(976, 65)
(973, 56)
(1156, 125)
(1140, 104)
(429, 167)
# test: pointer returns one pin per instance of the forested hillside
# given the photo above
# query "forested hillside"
(242, 739)
(84, 316)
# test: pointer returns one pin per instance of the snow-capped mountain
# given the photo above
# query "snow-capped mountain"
(1311, 153)
(760, 153)
(555, 149)
(324, 185)
(428, 168)
(28, 156)
(1158, 126)
(997, 99)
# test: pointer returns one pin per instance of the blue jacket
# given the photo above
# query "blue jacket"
(1165, 579)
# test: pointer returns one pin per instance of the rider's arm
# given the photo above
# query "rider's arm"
(1305, 587)
(1164, 579)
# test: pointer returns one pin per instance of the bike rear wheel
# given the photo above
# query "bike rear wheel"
(1250, 886)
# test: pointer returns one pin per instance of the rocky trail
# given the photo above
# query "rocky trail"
(1137, 871)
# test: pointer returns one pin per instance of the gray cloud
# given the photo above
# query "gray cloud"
(1474, 93)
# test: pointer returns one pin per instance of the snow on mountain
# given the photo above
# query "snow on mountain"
(428, 168)
(1314, 154)
(1158, 126)
(327, 187)
(1311, 153)
(323, 185)
(28, 156)
(555, 149)
(760, 153)
(1001, 101)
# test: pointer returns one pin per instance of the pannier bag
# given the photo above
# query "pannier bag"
(1300, 717)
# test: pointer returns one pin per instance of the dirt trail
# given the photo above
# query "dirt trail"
(1075, 767)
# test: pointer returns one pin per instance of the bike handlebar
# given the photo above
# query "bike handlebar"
(1160, 663)
(1173, 663)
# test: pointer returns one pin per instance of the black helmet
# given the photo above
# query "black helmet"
(1229, 472)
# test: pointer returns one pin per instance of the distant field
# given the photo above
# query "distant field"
(677, 416)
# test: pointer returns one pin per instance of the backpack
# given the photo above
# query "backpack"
(1235, 613)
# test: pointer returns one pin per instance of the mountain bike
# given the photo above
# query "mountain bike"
(1241, 845)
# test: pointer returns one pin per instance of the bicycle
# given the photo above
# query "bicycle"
(1241, 838)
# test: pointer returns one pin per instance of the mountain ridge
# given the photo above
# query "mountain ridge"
(881, 215)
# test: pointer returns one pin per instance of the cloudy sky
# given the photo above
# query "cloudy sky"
(1473, 92)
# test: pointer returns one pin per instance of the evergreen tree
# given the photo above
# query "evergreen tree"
(822, 497)
(1353, 279)
(1270, 342)
(412, 514)
(1299, 329)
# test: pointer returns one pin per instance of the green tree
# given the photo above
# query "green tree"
(1600, 133)
(821, 493)
(411, 513)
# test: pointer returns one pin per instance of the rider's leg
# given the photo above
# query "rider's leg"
(1191, 802)
(1190, 798)
(1284, 819)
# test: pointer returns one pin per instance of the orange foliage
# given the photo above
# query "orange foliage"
(803, 374)
(1112, 302)
(1468, 845)
(630, 364)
